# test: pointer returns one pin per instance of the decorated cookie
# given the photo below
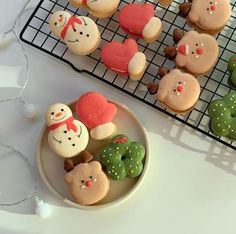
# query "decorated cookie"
(177, 90)
(232, 71)
(87, 183)
(124, 58)
(123, 158)
(165, 2)
(208, 16)
(223, 116)
(139, 20)
(98, 8)
(67, 137)
(97, 114)
(80, 33)
(197, 53)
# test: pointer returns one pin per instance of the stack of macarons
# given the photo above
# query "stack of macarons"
(88, 180)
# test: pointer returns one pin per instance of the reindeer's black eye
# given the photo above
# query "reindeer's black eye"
(174, 90)
(82, 181)
(62, 109)
(197, 44)
(60, 15)
(179, 82)
(52, 113)
(208, 9)
(211, 2)
(90, 177)
(81, 33)
(87, 35)
(193, 53)
(74, 30)
(55, 23)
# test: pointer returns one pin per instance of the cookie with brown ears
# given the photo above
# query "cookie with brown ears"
(177, 91)
(208, 16)
(194, 52)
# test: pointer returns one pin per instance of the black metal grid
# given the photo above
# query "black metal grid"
(37, 34)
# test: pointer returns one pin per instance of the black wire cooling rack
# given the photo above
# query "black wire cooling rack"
(37, 34)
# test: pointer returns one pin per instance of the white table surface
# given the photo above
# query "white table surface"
(190, 187)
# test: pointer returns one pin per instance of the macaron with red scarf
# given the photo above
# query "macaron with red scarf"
(98, 8)
(79, 33)
(67, 137)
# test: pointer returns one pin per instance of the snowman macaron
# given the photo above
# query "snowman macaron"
(80, 33)
(67, 137)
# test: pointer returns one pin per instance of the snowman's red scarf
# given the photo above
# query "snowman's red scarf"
(71, 22)
(69, 124)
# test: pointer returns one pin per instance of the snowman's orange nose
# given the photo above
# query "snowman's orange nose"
(89, 183)
(60, 19)
(58, 114)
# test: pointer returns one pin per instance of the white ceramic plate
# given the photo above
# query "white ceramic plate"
(51, 166)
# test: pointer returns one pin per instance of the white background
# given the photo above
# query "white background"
(190, 187)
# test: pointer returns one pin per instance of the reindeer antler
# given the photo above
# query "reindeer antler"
(184, 9)
(170, 52)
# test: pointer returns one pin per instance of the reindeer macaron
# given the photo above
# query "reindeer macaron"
(194, 52)
(177, 91)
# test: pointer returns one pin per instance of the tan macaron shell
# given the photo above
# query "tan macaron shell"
(87, 183)
(178, 91)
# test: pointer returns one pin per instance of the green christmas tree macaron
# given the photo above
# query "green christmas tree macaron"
(123, 158)
(232, 70)
(223, 116)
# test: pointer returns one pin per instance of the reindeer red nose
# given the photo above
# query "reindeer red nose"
(200, 51)
(89, 183)
(213, 7)
(180, 88)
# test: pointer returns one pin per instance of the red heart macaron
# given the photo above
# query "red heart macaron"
(124, 58)
(93, 110)
(117, 56)
(134, 17)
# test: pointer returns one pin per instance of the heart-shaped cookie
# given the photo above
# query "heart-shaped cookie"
(97, 114)
(139, 20)
(124, 58)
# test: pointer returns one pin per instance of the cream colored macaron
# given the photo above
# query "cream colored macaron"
(67, 137)
(98, 8)
(80, 33)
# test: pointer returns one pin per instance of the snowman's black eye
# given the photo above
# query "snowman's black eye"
(81, 33)
(52, 113)
(87, 35)
(60, 15)
(74, 30)
(55, 23)
(62, 109)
